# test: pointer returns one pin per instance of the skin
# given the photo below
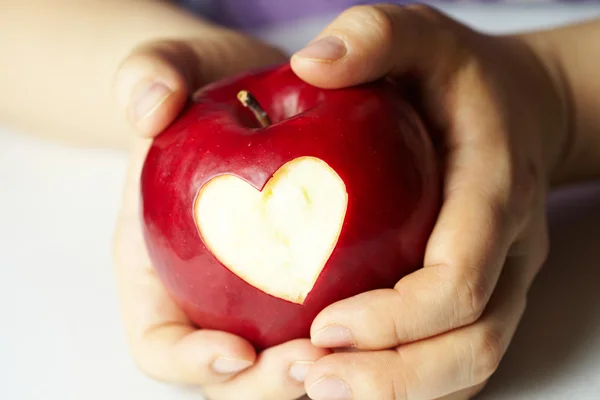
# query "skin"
(398, 217)
(158, 40)
(511, 130)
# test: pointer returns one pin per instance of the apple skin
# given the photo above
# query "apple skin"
(368, 134)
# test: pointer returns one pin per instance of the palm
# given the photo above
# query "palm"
(165, 344)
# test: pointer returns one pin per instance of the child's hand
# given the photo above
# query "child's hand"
(444, 328)
(152, 85)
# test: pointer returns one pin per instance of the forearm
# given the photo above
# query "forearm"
(573, 53)
(59, 61)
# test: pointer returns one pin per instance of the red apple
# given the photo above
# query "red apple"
(255, 229)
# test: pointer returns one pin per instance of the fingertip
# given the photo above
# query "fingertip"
(323, 380)
(297, 355)
(299, 352)
(154, 106)
(353, 49)
(328, 49)
(212, 356)
(324, 73)
(330, 328)
(210, 345)
(309, 71)
(284, 367)
(306, 347)
(150, 91)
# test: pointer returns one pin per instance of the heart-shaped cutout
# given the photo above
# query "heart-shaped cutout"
(278, 239)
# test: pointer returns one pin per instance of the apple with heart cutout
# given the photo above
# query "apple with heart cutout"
(269, 199)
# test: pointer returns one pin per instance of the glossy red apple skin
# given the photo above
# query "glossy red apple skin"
(368, 135)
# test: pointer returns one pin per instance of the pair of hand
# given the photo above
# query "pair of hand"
(441, 331)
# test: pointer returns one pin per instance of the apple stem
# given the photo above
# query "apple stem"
(250, 102)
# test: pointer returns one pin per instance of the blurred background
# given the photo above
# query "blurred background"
(60, 333)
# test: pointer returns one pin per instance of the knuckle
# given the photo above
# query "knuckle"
(145, 366)
(492, 206)
(487, 350)
(525, 185)
(497, 209)
(536, 255)
(398, 389)
(544, 249)
(374, 19)
(466, 394)
(400, 328)
(470, 287)
(487, 199)
(149, 357)
(474, 391)
(400, 382)
(451, 34)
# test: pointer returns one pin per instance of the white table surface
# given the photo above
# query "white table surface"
(60, 329)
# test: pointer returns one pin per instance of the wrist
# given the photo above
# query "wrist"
(556, 118)
(570, 53)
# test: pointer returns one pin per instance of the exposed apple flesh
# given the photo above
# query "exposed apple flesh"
(226, 217)
(280, 238)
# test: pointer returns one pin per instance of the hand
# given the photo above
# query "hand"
(498, 109)
(152, 86)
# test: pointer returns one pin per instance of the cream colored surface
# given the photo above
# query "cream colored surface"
(280, 238)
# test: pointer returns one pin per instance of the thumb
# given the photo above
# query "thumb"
(154, 82)
(366, 43)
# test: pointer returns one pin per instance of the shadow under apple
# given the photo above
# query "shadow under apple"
(562, 321)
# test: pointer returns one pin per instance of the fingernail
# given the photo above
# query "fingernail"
(299, 369)
(226, 365)
(333, 336)
(148, 98)
(329, 388)
(327, 49)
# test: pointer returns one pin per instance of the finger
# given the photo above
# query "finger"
(487, 200)
(465, 394)
(431, 368)
(368, 42)
(164, 343)
(533, 244)
(278, 374)
(153, 84)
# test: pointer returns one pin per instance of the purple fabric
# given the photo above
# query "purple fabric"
(254, 13)
(248, 14)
